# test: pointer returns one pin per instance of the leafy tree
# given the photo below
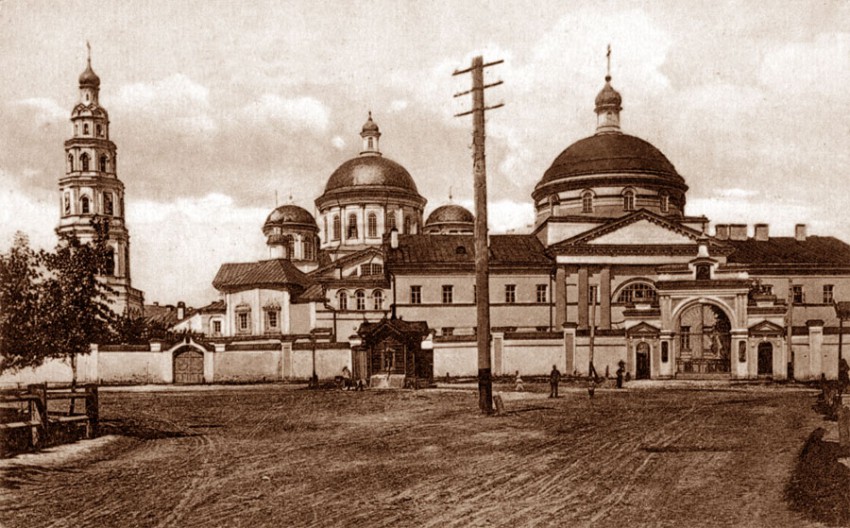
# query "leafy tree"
(22, 344)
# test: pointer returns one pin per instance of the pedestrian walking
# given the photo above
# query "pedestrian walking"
(554, 378)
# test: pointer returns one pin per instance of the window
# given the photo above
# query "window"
(67, 203)
(390, 220)
(84, 205)
(510, 293)
(371, 143)
(703, 272)
(542, 290)
(593, 294)
(325, 227)
(475, 293)
(637, 292)
(372, 225)
(70, 162)
(216, 327)
(109, 262)
(827, 294)
(272, 319)
(360, 298)
(352, 226)
(448, 291)
(797, 296)
(86, 125)
(378, 300)
(108, 207)
(342, 300)
(665, 352)
(371, 269)
(84, 161)
(447, 331)
(336, 228)
(587, 202)
(104, 163)
(629, 201)
(665, 203)
(416, 295)
(307, 247)
(685, 338)
(243, 319)
(406, 225)
(99, 130)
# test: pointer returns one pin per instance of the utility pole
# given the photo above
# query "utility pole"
(482, 251)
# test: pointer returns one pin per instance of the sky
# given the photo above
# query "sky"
(220, 110)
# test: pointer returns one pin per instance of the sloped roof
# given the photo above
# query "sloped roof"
(436, 250)
(777, 251)
(363, 254)
(274, 273)
(165, 314)
(214, 307)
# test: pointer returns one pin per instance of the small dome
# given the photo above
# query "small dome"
(291, 216)
(451, 213)
(369, 125)
(367, 171)
(89, 77)
(608, 96)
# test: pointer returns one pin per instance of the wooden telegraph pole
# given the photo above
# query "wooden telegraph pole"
(482, 261)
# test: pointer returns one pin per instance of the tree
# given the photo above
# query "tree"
(22, 344)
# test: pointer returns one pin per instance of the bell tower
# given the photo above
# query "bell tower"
(90, 188)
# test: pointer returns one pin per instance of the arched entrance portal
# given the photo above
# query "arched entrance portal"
(765, 352)
(188, 366)
(704, 341)
(642, 369)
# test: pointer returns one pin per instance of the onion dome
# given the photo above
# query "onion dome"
(370, 126)
(290, 216)
(608, 97)
(89, 77)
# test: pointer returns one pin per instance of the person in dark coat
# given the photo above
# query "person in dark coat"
(554, 379)
(621, 369)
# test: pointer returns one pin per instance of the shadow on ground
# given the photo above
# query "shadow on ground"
(820, 485)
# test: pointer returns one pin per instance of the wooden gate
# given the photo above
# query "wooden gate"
(188, 366)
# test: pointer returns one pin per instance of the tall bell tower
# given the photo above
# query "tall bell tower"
(91, 188)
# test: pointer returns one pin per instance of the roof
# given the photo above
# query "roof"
(290, 215)
(450, 213)
(428, 251)
(813, 251)
(214, 307)
(371, 170)
(608, 96)
(610, 154)
(89, 77)
(274, 273)
(165, 314)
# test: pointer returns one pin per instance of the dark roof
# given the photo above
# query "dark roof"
(411, 329)
(813, 251)
(312, 293)
(266, 273)
(430, 250)
(450, 213)
(371, 170)
(165, 314)
(611, 154)
(287, 215)
(214, 307)
(89, 77)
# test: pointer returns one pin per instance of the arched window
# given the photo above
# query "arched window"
(99, 130)
(351, 231)
(67, 203)
(104, 163)
(360, 297)
(378, 299)
(308, 248)
(371, 143)
(587, 202)
(629, 200)
(70, 162)
(85, 128)
(108, 208)
(109, 262)
(342, 299)
(637, 292)
(84, 161)
(391, 223)
(372, 225)
(336, 228)
(84, 205)
(406, 225)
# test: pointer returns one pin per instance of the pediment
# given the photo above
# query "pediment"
(351, 265)
(643, 232)
(643, 329)
(766, 328)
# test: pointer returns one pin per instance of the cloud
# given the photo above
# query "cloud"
(22, 210)
(505, 216)
(338, 142)
(298, 113)
(47, 111)
(815, 67)
(175, 102)
(398, 105)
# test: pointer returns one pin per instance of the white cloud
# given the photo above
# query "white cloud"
(22, 210)
(47, 111)
(816, 67)
(298, 113)
(176, 101)
(398, 105)
(505, 215)
(338, 142)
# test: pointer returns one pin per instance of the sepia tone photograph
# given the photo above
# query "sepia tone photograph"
(391, 263)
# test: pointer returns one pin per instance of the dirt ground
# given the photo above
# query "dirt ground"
(279, 456)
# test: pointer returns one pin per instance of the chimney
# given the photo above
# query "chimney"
(394, 238)
(721, 231)
(800, 232)
(156, 303)
(738, 232)
(761, 232)
(181, 310)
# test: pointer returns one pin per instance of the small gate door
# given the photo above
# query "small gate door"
(189, 367)
(642, 361)
(765, 366)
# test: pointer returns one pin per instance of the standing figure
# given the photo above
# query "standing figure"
(554, 378)
(346, 377)
(843, 375)
(620, 371)
(519, 387)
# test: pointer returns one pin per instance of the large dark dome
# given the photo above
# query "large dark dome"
(370, 171)
(627, 159)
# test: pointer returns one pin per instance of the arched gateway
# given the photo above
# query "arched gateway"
(703, 340)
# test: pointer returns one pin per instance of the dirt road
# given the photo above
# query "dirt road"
(283, 457)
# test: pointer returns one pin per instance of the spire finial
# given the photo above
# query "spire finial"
(291, 200)
(88, 47)
(608, 57)
(450, 193)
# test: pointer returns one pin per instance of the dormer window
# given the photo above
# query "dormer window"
(587, 202)
(629, 200)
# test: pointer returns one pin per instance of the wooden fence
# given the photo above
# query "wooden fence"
(44, 414)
